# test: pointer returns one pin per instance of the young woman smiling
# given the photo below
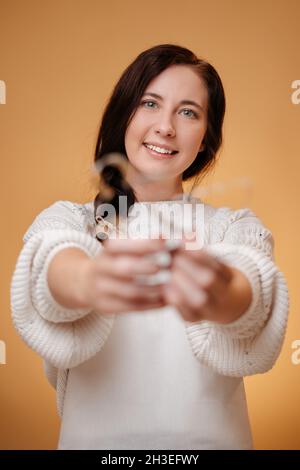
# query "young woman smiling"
(153, 365)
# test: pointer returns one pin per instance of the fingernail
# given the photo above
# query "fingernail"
(162, 277)
(173, 244)
(163, 259)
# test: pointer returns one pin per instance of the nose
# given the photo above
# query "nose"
(164, 127)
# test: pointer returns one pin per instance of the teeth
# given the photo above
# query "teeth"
(158, 149)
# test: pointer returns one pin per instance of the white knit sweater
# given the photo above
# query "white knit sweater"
(66, 338)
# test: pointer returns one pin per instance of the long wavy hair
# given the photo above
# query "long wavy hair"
(125, 100)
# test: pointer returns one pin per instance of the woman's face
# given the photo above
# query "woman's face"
(167, 120)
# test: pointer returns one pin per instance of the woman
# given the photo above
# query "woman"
(153, 365)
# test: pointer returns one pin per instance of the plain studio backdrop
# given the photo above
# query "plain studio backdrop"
(59, 61)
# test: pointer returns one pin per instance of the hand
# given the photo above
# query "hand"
(203, 288)
(110, 285)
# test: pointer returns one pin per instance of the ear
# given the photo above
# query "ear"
(202, 147)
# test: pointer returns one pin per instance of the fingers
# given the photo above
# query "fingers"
(126, 267)
(128, 291)
(206, 260)
(119, 297)
(196, 285)
(175, 298)
(203, 276)
(135, 247)
(142, 259)
(122, 271)
(196, 288)
(188, 294)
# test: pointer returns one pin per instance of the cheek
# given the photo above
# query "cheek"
(130, 138)
(193, 140)
(134, 138)
(135, 133)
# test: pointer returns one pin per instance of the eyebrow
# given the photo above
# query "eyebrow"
(155, 95)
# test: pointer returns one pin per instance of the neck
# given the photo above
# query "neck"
(161, 190)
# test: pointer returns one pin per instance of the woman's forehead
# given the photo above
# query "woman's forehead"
(181, 82)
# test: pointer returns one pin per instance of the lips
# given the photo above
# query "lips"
(160, 156)
(162, 146)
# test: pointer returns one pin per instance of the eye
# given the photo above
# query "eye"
(194, 115)
(148, 102)
(190, 111)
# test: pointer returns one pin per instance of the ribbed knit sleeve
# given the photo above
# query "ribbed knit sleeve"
(252, 343)
(63, 337)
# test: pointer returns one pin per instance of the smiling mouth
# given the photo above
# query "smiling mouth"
(160, 154)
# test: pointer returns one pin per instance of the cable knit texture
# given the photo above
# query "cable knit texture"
(252, 343)
(65, 338)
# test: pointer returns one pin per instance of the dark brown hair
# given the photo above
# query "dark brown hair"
(126, 97)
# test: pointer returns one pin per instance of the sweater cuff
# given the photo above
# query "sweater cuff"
(253, 319)
(252, 343)
(43, 299)
(62, 344)
(239, 357)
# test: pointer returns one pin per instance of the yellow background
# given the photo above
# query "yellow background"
(60, 60)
